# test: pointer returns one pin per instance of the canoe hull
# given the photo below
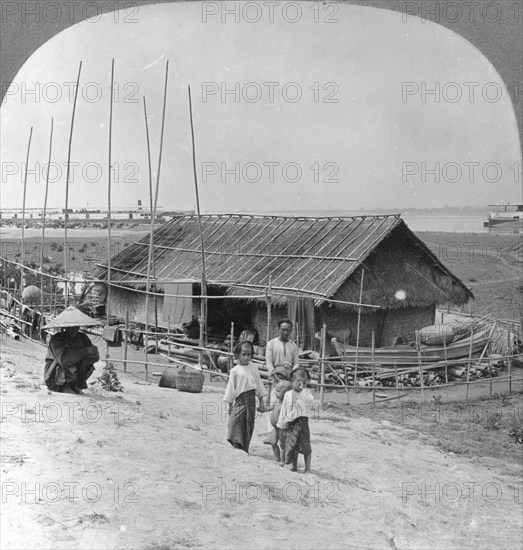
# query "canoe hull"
(407, 355)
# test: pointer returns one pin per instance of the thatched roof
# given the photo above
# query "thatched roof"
(304, 256)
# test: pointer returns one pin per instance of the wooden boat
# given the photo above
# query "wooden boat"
(405, 355)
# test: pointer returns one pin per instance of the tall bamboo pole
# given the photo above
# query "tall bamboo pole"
(68, 171)
(43, 222)
(203, 329)
(109, 220)
(23, 213)
(148, 289)
(153, 211)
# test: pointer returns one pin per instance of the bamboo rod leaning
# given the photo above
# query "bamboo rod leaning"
(67, 176)
(23, 211)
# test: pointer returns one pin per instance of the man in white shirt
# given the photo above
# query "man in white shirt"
(281, 357)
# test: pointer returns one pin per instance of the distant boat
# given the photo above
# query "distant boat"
(504, 213)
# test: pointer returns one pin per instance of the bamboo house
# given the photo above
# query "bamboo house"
(313, 270)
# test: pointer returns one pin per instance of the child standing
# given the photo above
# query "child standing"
(294, 421)
(242, 388)
(275, 436)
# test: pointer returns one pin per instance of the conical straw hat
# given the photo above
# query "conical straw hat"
(72, 317)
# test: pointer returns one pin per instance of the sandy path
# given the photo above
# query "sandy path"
(151, 467)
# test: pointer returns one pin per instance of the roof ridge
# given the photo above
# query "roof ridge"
(278, 216)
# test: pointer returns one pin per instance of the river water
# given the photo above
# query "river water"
(418, 222)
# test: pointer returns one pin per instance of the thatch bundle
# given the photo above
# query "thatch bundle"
(31, 295)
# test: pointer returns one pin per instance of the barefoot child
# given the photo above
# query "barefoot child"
(294, 421)
(275, 436)
(242, 388)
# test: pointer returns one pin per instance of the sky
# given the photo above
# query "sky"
(319, 116)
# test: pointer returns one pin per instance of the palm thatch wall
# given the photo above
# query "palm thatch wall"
(402, 263)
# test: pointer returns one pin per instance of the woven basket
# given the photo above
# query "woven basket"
(190, 381)
(168, 380)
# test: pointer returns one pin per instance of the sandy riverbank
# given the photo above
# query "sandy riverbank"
(151, 469)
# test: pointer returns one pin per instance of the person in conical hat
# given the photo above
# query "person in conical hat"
(70, 355)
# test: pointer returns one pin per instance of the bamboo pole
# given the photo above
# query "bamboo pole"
(168, 332)
(373, 369)
(269, 308)
(109, 220)
(269, 326)
(509, 361)
(445, 358)
(126, 341)
(153, 206)
(359, 315)
(347, 391)
(203, 303)
(23, 211)
(147, 291)
(230, 361)
(470, 360)
(43, 223)
(396, 379)
(418, 351)
(322, 363)
(68, 171)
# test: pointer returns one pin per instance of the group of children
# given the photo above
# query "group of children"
(289, 416)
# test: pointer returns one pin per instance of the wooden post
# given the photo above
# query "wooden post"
(470, 360)
(445, 357)
(168, 334)
(126, 339)
(396, 380)
(322, 363)
(23, 213)
(298, 334)
(373, 369)
(418, 351)
(347, 390)
(200, 345)
(509, 363)
(66, 246)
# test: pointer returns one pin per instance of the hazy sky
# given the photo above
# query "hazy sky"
(377, 140)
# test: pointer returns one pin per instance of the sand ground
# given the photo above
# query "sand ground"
(151, 469)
